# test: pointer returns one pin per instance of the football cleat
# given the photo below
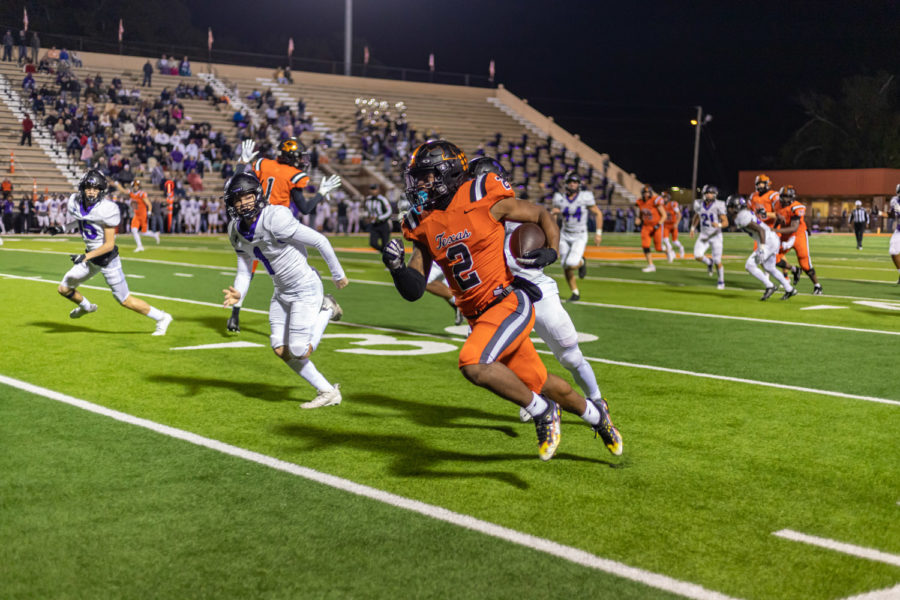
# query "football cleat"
(139, 249)
(790, 294)
(670, 254)
(720, 285)
(681, 253)
(709, 269)
(609, 434)
(163, 325)
(649, 269)
(768, 293)
(817, 290)
(234, 323)
(548, 431)
(795, 275)
(328, 302)
(330, 398)
(156, 236)
(582, 270)
(575, 297)
(78, 312)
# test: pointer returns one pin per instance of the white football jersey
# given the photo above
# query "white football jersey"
(895, 206)
(193, 207)
(574, 211)
(92, 222)
(536, 276)
(53, 206)
(745, 217)
(279, 241)
(709, 215)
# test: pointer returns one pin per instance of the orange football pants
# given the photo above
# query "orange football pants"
(502, 334)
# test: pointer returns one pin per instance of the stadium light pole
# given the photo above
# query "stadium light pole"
(348, 35)
(697, 125)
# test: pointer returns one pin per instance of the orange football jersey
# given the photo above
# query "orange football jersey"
(766, 201)
(673, 209)
(139, 202)
(791, 212)
(650, 210)
(278, 179)
(467, 242)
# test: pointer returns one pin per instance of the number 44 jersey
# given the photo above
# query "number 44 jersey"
(467, 241)
(574, 210)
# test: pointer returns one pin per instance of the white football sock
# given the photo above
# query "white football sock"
(591, 415)
(85, 303)
(754, 270)
(308, 371)
(721, 271)
(137, 238)
(318, 327)
(538, 405)
(156, 314)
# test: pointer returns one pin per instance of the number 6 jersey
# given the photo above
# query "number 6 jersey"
(467, 242)
(92, 221)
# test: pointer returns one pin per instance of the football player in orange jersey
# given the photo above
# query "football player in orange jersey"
(670, 228)
(140, 207)
(283, 180)
(653, 216)
(459, 223)
(790, 214)
(763, 201)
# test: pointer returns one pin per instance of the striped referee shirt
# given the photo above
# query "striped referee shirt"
(859, 215)
(378, 208)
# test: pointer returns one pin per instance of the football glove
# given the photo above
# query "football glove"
(329, 184)
(538, 258)
(77, 258)
(55, 230)
(247, 152)
(392, 255)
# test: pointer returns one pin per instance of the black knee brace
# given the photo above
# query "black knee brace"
(69, 294)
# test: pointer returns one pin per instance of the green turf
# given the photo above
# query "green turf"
(711, 468)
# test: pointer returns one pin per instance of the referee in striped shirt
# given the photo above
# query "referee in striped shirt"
(859, 218)
(379, 211)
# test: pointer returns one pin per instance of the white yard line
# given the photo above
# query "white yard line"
(569, 553)
(220, 346)
(736, 318)
(182, 274)
(885, 594)
(843, 547)
(594, 359)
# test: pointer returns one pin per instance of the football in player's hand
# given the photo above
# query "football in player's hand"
(525, 238)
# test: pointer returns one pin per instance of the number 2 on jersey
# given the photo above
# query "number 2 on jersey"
(462, 269)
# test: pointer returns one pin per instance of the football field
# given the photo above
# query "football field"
(761, 439)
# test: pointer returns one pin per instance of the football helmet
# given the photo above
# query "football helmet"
(448, 165)
(572, 177)
(763, 183)
(787, 193)
(486, 164)
(93, 179)
(666, 195)
(646, 191)
(709, 189)
(292, 152)
(239, 185)
(736, 203)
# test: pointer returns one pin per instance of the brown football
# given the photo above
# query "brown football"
(525, 238)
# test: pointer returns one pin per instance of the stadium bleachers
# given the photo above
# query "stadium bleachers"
(470, 117)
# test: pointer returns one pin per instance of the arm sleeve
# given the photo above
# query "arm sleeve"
(409, 282)
(304, 205)
(244, 274)
(301, 234)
